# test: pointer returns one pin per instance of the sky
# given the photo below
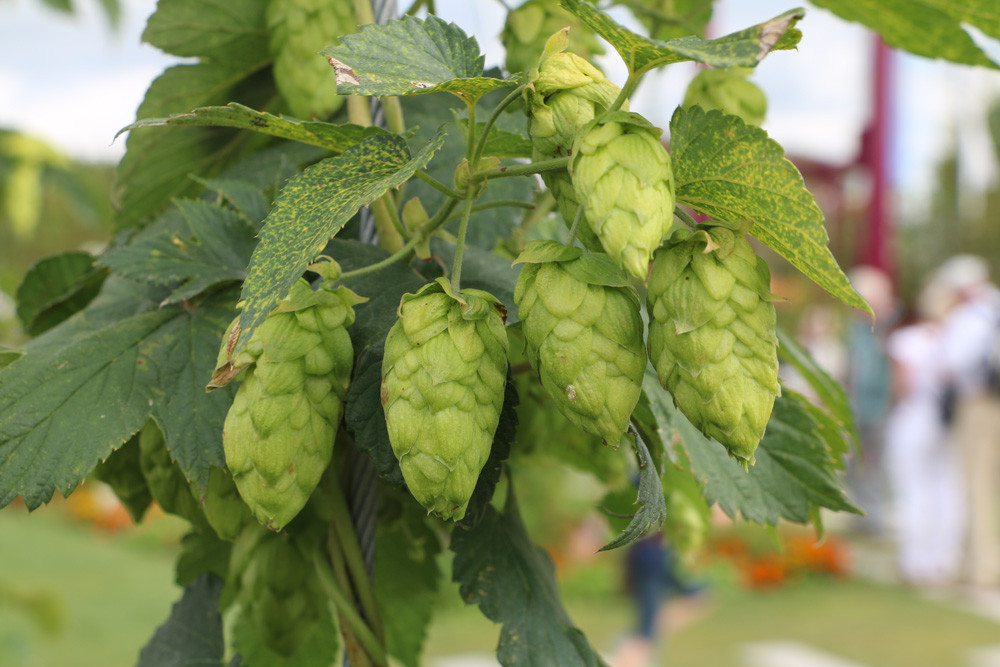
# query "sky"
(75, 81)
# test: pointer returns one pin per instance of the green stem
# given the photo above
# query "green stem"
(543, 205)
(502, 203)
(470, 142)
(685, 217)
(575, 226)
(438, 185)
(393, 215)
(350, 615)
(456, 270)
(504, 103)
(555, 164)
(347, 540)
(429, 228)
(630, 85)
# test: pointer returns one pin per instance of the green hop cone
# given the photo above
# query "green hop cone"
(299, 30)
(226, 512)
(729, 91)
(623, 179)
(567, 93)
(712, 335)
(443, 377)
(167, 483)
(528, 29)
(581, 321)
(278, 435)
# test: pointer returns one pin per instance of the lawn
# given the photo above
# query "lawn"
(113, 590)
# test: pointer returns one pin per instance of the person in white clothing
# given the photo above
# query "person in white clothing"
(923, 469)
(971, 332)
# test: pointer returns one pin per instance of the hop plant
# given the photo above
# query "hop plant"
(529, 26)
(729, 91)
(167, 483)
(226, 512)
(623, 179)
(580, 319)
(278, 435)
(443, 377)
(299, 30)
(712, 335)
(568, 93)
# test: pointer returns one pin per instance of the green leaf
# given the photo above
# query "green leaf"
(314, 206)
(930, 28)
(482, 270)
(500, 143)
(55, 288)
(365, 419)
(87, 386)
(192, 636)
(157, 165)
(208, 29)
(203, 246)
(745, 48)
(7, 357)
(652, 505)
(246, 199)
(735, 173)
(336, 138)
(827, 390)
(513, 582)
(122, 472)
(409, 57)
(202, 552)
(320, 648)
(406, 586)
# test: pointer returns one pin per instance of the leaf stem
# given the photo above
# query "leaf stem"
(470, 142)
(393, 215)
(463, 226)
(575, 226)
(438, 185)
(504, 103)
(554, 164)
(501, 203)
(349, 614)
(627, 89)
(685, 217)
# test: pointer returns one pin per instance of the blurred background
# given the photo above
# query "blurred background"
(903, 156)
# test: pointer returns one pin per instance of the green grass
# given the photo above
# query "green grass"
(115, 590)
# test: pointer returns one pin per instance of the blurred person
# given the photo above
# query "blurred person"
(971, 333)
(867, 379)
(923, 468)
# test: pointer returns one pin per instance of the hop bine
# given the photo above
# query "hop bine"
(712, 335)
(443, 377)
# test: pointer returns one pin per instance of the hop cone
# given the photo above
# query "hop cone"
(529, 26)
(584, 339)
(299, 30)
(568, 93)
(623, 179)
(729, 91)
(443, 377)
(167, 483)
(226, 512)
(279, 432)
(282, 599)
(711, 335)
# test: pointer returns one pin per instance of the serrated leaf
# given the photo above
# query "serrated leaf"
(202, 552)
(929, 28)
(365, 419)
(482, 270)
(321, 647)
(406, 586)
(208, 29)
(793, 475)
(745, 48)
(55, 288)
(157, 165)
(336, 138)
(492, 470)
(314, 206)
(652, 505)
(513, 582)
(122, 472)
(827, 390)
(245, 198)
(110, 377)
(203, 246)
(500, 143)
(409, 57)
(192, 635)
(735, 173)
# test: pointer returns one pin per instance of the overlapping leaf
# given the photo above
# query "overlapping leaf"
(930, 28)
(202, 246)
(55, 288)
(412, 56)
(513, 582)
(336, 138)
(745, 48)
(735, 173)
(192, 636)
(650, 505)
(314, 206)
